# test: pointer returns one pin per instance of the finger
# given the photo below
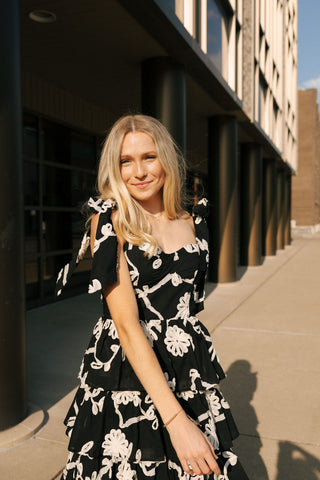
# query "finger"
(213, 465)
(186, 467)
(204, 467)
(193, 467)
(211, 447)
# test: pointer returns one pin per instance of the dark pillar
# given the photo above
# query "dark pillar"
(164, 95)
(280, 208)
(222, 192)
(287, 223)
(269, 210)
(250, 204)
(12, 306)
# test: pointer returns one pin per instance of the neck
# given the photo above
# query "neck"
(154, 208)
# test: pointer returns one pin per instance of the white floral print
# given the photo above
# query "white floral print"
(116, 445)
(177, 341)
(214, 403)
(183, 306)
(125, 397)
(94, 286)
(157, 263)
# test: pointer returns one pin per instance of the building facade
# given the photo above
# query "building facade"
(306, 184)
(220, 74)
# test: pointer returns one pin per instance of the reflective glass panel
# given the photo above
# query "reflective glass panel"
(32, 278)
(83, 187)
(31, 183)
(83, 150)
(30, 135)
(57, 186)
(169, 3)
(31, 231)
(214, 33)
(56, 143)
(57, 231)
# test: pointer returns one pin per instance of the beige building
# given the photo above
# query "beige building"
(253, 45)
(306, 184)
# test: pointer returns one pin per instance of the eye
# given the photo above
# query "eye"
(123, 161)
(150, 157)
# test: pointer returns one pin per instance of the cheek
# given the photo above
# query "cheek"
(160, 173)
(163, 177)
(125, 174)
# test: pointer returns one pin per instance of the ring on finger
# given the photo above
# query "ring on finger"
(189, 465)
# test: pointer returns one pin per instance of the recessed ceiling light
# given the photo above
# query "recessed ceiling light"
(42, 16)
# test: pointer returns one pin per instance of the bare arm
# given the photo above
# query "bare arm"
(189, 442)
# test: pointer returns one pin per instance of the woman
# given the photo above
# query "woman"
(148, 404)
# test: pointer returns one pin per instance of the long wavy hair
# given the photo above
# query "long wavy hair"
(129, 219)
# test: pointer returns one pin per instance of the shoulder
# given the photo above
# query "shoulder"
(100, 218)
(189, 219)
(99, 210)
(98, 205)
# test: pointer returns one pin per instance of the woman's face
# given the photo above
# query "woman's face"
(140, 168)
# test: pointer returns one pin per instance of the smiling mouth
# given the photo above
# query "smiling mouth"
(142, 184)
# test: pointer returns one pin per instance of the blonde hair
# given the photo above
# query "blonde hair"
(129, 220)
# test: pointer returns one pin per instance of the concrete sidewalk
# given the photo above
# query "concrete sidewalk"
(266, 330)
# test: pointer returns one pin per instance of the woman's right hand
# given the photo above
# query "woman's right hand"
(192, 447)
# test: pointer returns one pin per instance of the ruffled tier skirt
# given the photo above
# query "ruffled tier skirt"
(119, 435)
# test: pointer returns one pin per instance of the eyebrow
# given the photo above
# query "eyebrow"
(149, 152)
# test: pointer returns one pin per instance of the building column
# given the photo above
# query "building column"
(222, 192)
(12, 303)
(250, 204)
(287, 223)
(280, 208)
(164, 95)
(269, 207)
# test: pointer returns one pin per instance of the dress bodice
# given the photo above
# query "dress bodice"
(161, 280)
(164, 284)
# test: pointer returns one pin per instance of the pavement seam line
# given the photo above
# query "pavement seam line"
(257, 288)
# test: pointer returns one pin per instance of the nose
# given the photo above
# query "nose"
(140, 170)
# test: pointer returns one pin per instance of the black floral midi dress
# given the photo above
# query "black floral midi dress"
(114, 428)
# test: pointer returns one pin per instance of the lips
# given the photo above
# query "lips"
(142, 184)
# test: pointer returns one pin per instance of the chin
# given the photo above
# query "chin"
(145, 196)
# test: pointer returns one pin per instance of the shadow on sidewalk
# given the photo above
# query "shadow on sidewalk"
(57, 336)
(295, 462)
(239, 388)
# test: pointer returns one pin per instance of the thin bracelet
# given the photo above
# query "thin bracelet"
(172, 418)
(194, 421)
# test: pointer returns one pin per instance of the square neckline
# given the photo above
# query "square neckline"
(184, 247)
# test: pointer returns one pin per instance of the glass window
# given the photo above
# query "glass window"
(58, 179)
(62, 230)
(30, 136)
(82, 187)
(214, 33)
(31, 183)
(197, 20)
(57, 231)
(67, 188)
(32, 278)
(262, 102)
(169, 3)
(56, 186)
(83, 150)
(31, 231)
(56, 143)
